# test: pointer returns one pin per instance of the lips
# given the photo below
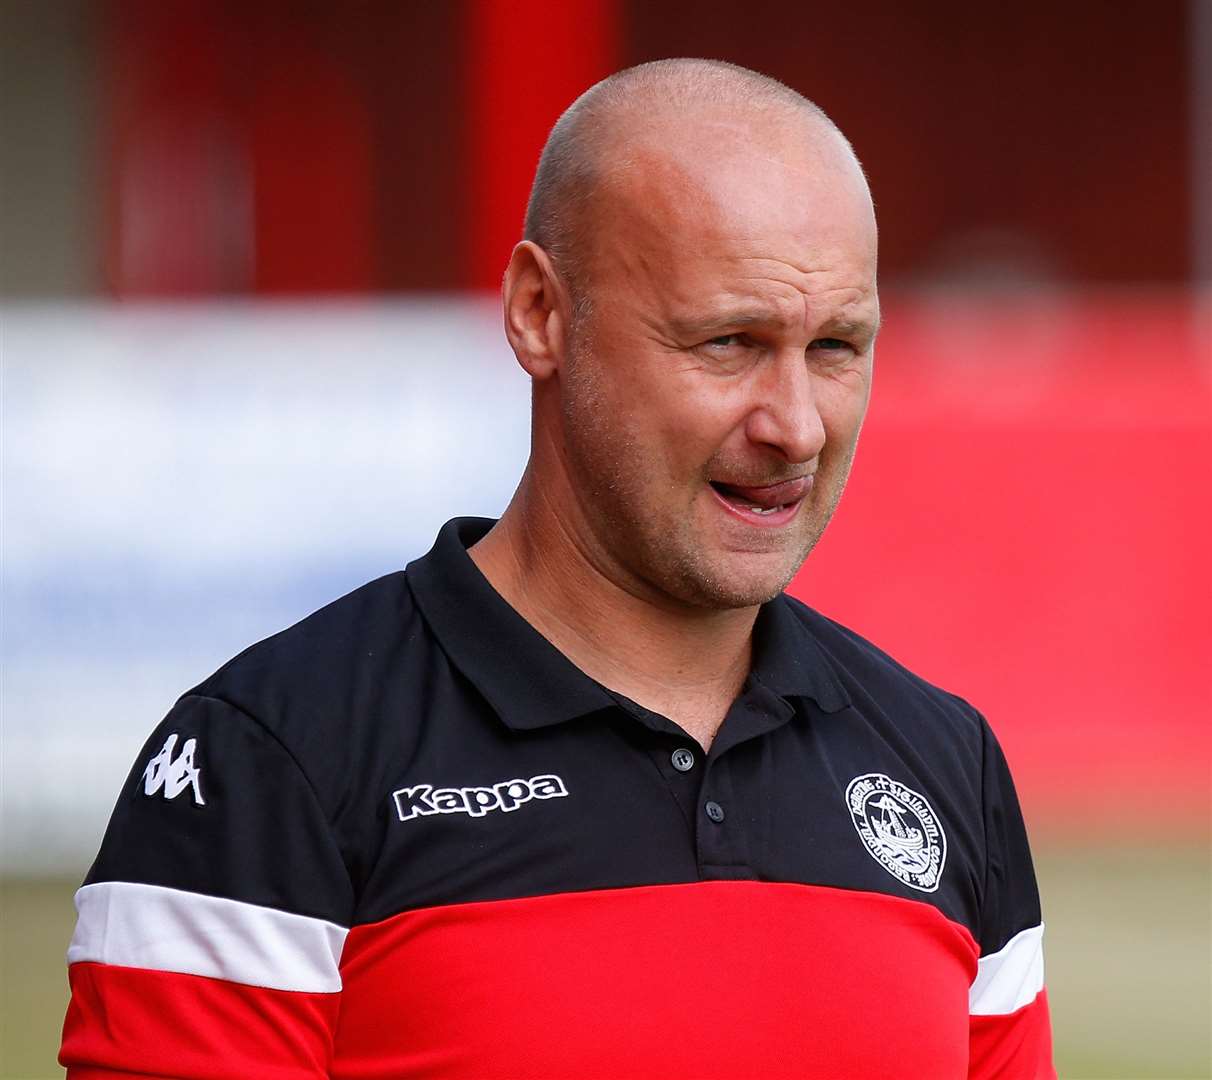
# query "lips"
(766, 497)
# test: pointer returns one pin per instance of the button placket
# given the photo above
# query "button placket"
(723, 824)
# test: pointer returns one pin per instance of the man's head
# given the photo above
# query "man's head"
(696, 303)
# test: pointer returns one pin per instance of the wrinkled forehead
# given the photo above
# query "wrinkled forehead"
(721, 187)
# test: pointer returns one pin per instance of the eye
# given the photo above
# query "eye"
(725, 341)
(728, 354)
(830, 344)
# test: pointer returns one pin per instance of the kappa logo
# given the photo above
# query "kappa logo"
(174, 775)
(424, 799)
(900, 829)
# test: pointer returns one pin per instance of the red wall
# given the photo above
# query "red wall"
(280, 147)
(1029, 524)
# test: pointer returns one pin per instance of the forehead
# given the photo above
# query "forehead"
(781, 204)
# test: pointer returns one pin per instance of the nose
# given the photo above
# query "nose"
(786, 412)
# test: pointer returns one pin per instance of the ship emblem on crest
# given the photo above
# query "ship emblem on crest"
(899, 828)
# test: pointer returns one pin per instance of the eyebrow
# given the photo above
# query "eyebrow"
(733, 319)
(853, 327)
(745, 317)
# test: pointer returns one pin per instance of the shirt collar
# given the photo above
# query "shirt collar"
(787, 658)
(531, 684)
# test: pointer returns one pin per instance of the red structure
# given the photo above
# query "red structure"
(284, 148)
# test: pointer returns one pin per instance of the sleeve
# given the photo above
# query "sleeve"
(1010, 1033)
(211, 925)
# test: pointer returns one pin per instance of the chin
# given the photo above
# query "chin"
(735, 582)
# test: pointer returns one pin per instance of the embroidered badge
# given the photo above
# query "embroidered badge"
(899, 828)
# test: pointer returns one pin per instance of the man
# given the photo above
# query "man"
(581, 793)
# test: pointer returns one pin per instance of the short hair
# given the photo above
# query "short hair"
(570, 168)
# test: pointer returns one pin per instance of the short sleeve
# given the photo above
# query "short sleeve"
(211, 925)
(1009, 1026)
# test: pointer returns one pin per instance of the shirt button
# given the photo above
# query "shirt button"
(715, 811)
(683, 759)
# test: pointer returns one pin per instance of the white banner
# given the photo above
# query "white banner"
(180, 481)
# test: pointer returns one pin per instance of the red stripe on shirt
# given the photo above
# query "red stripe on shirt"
(712, 979)
(1015, 1046)
(155, 1023)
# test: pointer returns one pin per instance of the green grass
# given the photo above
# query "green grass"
(1128, 958)
(36, 920)
(1129, 955)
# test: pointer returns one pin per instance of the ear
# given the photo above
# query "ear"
(536, 310)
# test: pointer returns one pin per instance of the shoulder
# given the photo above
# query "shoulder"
(345, 635)
(876, 681)
(323, 687)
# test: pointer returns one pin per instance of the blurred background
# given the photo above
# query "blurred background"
(252, 358)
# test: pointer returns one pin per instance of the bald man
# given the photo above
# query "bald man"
(581, 793)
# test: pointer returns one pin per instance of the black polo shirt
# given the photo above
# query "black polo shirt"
(409, 838)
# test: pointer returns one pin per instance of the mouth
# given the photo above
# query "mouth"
(767, 505)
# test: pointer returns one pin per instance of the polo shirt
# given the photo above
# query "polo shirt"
(407, 838)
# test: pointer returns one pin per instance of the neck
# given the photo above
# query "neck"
(685, 662)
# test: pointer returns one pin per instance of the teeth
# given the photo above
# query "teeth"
(764, 510)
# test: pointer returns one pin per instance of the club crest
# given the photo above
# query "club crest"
(899, 828)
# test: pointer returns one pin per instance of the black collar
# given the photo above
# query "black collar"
(531, 684)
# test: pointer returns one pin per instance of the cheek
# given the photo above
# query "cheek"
(678, 416)
(842, 407)
(696, 423)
